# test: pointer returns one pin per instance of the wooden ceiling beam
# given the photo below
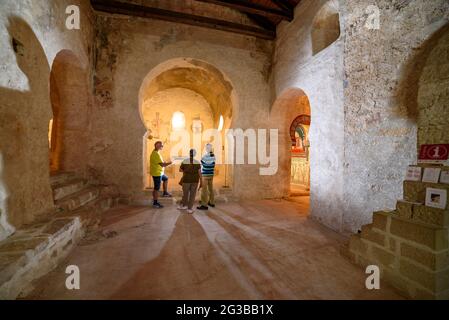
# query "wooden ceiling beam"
(262, 21)
(284, 4)
(253, 8)
(122, 8)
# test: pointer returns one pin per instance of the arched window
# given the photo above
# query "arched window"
(50, 133)
(326, 27)
(178, 121)
(221, 123)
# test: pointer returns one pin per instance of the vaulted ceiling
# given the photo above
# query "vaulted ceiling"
(258, 18)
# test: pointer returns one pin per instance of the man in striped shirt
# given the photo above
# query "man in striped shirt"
(207, 173)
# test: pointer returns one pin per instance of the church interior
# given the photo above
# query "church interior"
(355, 93)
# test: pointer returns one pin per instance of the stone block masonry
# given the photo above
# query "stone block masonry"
(409, 244)
(33, 252)
(38, 248)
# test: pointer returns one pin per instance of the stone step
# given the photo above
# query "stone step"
(78, 199)
(90, 213)
(31, 253)
(421, 213)
(61, 177)
(224, 191)
(372, 234)
(429, 165)
(299, 193)
(415, 191)
(67, 188)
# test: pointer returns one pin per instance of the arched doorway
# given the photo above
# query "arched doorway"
(68, 127)
(291, 114)
(191, 96)
(300, 168)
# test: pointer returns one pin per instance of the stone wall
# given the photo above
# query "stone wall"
(365, 92)
(320, 77)
(128, 50)
(433, 93)
(39, 33)
(410, 245)
(382, 72)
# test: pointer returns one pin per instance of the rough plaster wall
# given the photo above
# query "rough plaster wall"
(380, 96)
(25, 108)
(321, 79)
(127, 50)
(433, 95)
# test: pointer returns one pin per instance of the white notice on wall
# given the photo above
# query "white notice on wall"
(413, 174)
(431, 175)
(444, 178)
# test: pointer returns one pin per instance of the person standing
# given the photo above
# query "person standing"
(157, 166)
(191, 178)
(207, 173)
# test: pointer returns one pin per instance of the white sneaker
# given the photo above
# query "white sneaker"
(182, 207)
(190, 211)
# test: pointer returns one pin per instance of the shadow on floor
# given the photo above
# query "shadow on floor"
(187, 261)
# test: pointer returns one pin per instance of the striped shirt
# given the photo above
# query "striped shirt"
(208, 165)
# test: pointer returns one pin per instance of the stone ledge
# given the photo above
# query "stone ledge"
(421, 213)
(381, 219)
(37, 249)
(433, 260)
(32, 253)
(415, 191)
(436, 282)
(429, 215)
(430, 165)
(67, 188)
(370, 234)
(432, 237)
(404, 209)
(78, 199)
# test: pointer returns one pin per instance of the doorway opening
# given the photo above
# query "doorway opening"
(300, 160)
(67, 130)
(186, 97)
(291, 114)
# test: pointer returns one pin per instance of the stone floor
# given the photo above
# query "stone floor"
(247, 250)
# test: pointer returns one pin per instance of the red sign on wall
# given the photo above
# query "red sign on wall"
(434, 153)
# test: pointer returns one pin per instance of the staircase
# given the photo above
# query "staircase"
(36, 249)
(74, 196)
(409, 244)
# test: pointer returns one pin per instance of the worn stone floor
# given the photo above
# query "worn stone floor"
(245, 250)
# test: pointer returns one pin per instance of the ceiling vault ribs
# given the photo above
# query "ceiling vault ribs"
(254, 8)
(123, 8)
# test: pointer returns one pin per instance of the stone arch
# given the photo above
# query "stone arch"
(292, 103)
(25, 192)
(70, 104)
(326, 26)
(199, 78)
(433, 93)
